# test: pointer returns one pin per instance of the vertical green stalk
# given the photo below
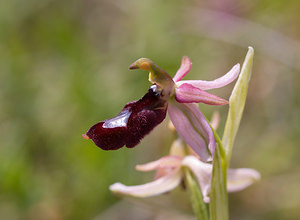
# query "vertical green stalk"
(199, 207)
(218, 194)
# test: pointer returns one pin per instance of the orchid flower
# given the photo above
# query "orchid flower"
(176, 96)
(169, 174)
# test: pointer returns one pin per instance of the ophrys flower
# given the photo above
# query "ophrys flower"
(169, 174)
(175, 95)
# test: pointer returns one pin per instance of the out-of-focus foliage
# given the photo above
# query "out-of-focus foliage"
(64, 67)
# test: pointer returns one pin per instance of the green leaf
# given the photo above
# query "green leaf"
(199, 207)
(237, 102)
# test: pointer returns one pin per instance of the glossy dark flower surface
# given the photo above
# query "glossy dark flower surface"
(136, 119)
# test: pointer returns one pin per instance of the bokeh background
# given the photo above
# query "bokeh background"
(64, 67)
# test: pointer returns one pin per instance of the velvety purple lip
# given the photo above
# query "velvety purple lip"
(136, 120)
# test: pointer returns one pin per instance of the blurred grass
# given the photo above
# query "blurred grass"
(64, 67)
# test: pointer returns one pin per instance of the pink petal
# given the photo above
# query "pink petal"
(184, 68)
(217, 83)
(186, 93)
(239, 179)
(164, 162)
(193, 128)
(159, 186)
(215, 120)
(202, 172)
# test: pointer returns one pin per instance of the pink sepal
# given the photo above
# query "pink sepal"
(193, 128)
(239, 179)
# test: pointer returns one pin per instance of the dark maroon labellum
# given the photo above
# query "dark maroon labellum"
(135, 120)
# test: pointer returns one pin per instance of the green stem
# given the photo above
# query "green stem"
(218, 195)
(199, 207)
(218, 207)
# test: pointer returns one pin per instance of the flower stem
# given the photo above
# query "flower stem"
(218, 195)
(199, 207)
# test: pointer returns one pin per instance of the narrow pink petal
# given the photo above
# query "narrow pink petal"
(159, 186)
(202, 172)
(215, 120)
(184, 68)
(239, 179)
(217, 83)
(187, 93)
(193, 128)
(164, 162)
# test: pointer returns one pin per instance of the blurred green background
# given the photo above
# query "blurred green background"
(64, 67)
